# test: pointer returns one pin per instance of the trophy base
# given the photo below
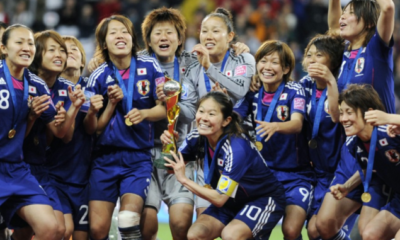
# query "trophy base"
(159, 162)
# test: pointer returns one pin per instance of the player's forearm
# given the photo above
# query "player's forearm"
(290, 127)
(334, 13)
(155, 113)
(90, 122)
(333, 96)
(105, 117)
(211, 195)
(353, 182)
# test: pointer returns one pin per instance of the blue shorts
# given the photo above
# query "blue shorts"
(115, 173)
(346, 168)
(260, 215)
(41, 173)
(74, 201)
(323, 180)
(18, 188)
(298, 186)
(380, 193)
(393, 206)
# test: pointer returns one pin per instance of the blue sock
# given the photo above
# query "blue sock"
(130, 233)
(298, 238)
(341, 235)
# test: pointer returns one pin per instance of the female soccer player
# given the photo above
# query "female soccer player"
(69, 163)
(122, 164)
(375, 151)
(50, 60)
(21, 192)
(278, 113)
(247, 200)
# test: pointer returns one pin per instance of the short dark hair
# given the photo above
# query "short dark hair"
(101, 33)
(160, 15)
(361, 96)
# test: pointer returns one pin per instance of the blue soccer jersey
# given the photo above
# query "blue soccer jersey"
(70, 162)
(148, 75)
(35, 143)
(329, 137)
(11, 148)
(387, 156)
(374, 66)
(282, 151)
(240, 161)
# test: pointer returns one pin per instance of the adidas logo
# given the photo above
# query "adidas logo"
(2, 82)
(109, 79)
(346, 228)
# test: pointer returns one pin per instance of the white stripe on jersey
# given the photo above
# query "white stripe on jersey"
(193, 134)
(270, 208)
(295, 86)
(36, 79)
(1, 63)
(93, 77)
(152, 60)
(229, 156)
(66, 81)
(382, 128)
(349, 140)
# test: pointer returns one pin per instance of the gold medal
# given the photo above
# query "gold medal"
(207, 186)
(128, 122)
(313, 143)
(366, 197)
(36, 140)
(259, 145)
(11, 133)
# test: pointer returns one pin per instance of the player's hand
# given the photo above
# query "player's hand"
(94, 63)
(393, 130)
(136, 116)
(38, 105)
(160, 92)
(96, 103)
(77, 96)
(377, 117)
(115, 94)
(320, 72)
(217, 87)
(61, 115)
(166, 137)
(266, 128)
(240, 48)
(339, 191)
(202, 55)
(255, 83)
(178, 165)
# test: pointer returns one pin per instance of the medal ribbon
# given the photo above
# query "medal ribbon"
(17, 113)
(176, 68)
(349, 73)
(128, 94)
(371, 159)
(318, 114)
(209, 169)
(272, 105)
(207, 80)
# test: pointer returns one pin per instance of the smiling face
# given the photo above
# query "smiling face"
(270, 70)
(315, 56)
(351, 28)
(54, 56)
(74, 60)
(215, 37)
(118, 40)
(210, 119)
(351, 119)
(19, 48)
(164, 41)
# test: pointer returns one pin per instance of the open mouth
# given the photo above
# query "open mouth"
(164, 47)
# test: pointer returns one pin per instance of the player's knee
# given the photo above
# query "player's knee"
(68, 233)
(128, 225)
(180, 228)
(291, 232)
(370, 234)
(49, 232)
(60, 231)
(198, 232)
(326, 227)
(230, 234)
(98, 231)
(312, 231)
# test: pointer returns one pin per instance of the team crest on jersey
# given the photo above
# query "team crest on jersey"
(62, 93)
(283, 96)
(282, 112)
(228, 73)
(143, 87)
(32, 89)
(360, 65)
(392, 155)
(141, 71)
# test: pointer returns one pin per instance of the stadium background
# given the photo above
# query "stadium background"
(291, 21)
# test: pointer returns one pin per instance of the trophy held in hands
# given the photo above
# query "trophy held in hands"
(171, 89)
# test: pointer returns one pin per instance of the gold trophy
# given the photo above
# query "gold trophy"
(171, 90)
